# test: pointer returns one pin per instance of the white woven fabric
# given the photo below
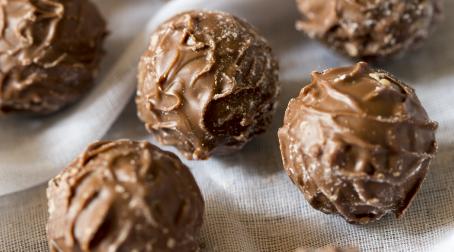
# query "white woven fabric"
(251, 205)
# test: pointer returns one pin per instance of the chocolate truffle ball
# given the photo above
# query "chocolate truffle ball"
(124, 196)
(369, 28)
(49, 52)
(358, 143)
(208, 83)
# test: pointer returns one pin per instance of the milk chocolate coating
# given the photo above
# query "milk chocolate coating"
(370, 28)
(124, 196)
(208, 83)
(358, 143)
(49, 52)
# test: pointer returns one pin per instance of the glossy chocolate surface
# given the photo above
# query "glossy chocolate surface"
(208, 83)
(124, 196)
(370, 28)
(357, 142)
(49, 53)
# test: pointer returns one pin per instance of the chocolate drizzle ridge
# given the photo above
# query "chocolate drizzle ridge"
(357, 142)
(207, 84)
(370, 28)
(124, 196)
(49, 53)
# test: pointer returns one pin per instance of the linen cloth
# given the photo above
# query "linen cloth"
(251, 204)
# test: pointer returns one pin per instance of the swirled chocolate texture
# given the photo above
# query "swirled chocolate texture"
(124, 196)
(370, 28)
(49, 53)
(358, 143)
(208, 83)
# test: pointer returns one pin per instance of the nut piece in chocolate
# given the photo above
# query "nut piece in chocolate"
(124, 196)
(370, 28)
(208, 83)
(49, 53)
(358, 143)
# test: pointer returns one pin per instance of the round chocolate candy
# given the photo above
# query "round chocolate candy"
(357, 142)
(208, 83)
(370, 28)
(49, 53)
(124, 196)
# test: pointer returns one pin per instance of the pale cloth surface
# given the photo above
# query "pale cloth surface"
(251, 205)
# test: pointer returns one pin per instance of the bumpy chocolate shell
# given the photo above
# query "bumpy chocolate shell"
(124, 196)
(208, 83)
(49, 53)
(358, 143)
(370, 28)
